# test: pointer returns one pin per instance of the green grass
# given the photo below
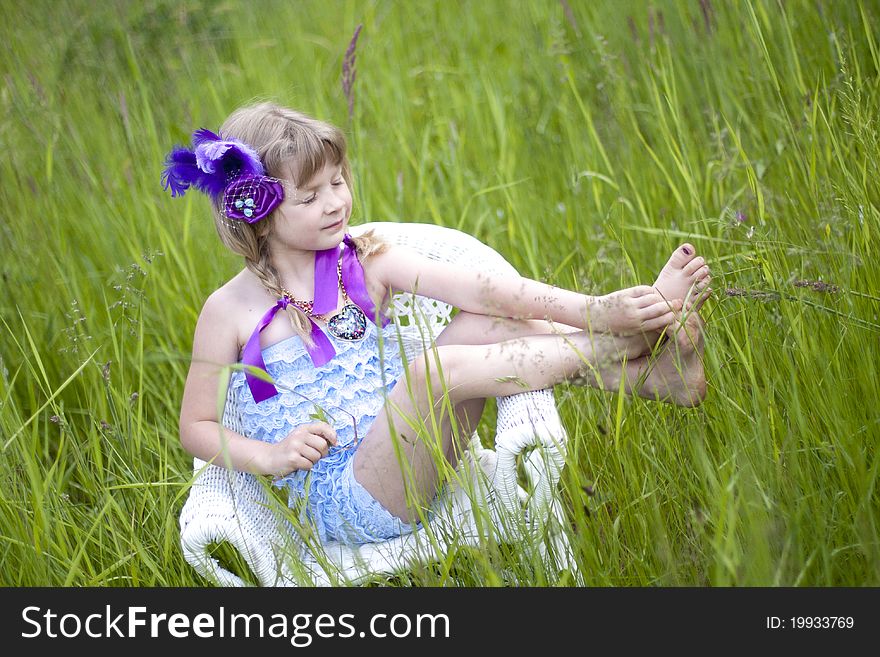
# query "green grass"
(582, 146)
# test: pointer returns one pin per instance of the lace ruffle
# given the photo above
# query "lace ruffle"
(348, 513)
(356, 380)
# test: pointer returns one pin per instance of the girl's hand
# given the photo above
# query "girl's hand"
(634, 310)
(301, 448)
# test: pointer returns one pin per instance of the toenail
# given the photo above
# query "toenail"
(686, 250)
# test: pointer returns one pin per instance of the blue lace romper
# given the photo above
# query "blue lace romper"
(355, 379)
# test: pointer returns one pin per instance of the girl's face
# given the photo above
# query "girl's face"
(314, 216)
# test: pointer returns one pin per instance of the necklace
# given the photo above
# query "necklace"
(348, 324)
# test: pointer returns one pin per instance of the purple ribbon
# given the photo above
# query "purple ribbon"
(326, 297)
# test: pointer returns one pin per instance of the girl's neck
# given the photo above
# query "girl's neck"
(296, 270)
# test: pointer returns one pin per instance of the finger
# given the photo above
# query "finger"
(650, 299)
(642, 290)
(310, 453)
(693, 265)
(325, 430)
(318, 442)
(661, 308)
(659, 322)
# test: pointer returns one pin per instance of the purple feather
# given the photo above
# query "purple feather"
(210, 165)
(202, 135)
(181, 170)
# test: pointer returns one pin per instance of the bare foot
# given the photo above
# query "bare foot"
(677, 375)
(685, 276)
(634, 310)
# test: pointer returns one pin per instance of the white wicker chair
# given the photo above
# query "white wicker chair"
(484, 502)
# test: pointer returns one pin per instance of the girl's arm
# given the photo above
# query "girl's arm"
(215, 344)
(403, 270)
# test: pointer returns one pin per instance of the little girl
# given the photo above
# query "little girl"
(281, 187)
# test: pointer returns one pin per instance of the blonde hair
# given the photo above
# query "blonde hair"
(287, 142)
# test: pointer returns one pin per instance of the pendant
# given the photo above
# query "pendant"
(350, 324)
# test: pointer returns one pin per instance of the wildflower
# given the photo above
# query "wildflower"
(348, 71)
(818, 286)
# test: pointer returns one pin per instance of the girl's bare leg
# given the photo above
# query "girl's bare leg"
(469, 328)
(674, 375)
(472, 373)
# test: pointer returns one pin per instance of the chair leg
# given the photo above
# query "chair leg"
(526, 420)
(531, 420)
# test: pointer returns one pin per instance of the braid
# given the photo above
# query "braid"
(263, 269)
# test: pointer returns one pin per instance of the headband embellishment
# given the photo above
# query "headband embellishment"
(227, 170)
(250, 198)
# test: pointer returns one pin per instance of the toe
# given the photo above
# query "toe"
(680, 257)
(701, 299)
(683, 255)
(694, 266)
(701, 275)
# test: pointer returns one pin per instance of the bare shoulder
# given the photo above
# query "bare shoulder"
(215, 339)
(224, 318)
(381, 265)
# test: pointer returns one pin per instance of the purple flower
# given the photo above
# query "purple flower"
(250, 198)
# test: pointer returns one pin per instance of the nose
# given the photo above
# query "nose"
(334, 202)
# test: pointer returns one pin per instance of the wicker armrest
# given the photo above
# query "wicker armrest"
(224, 505)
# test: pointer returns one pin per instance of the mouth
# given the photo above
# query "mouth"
(335, 226)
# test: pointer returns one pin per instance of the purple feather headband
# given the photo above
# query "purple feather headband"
(227, 170)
